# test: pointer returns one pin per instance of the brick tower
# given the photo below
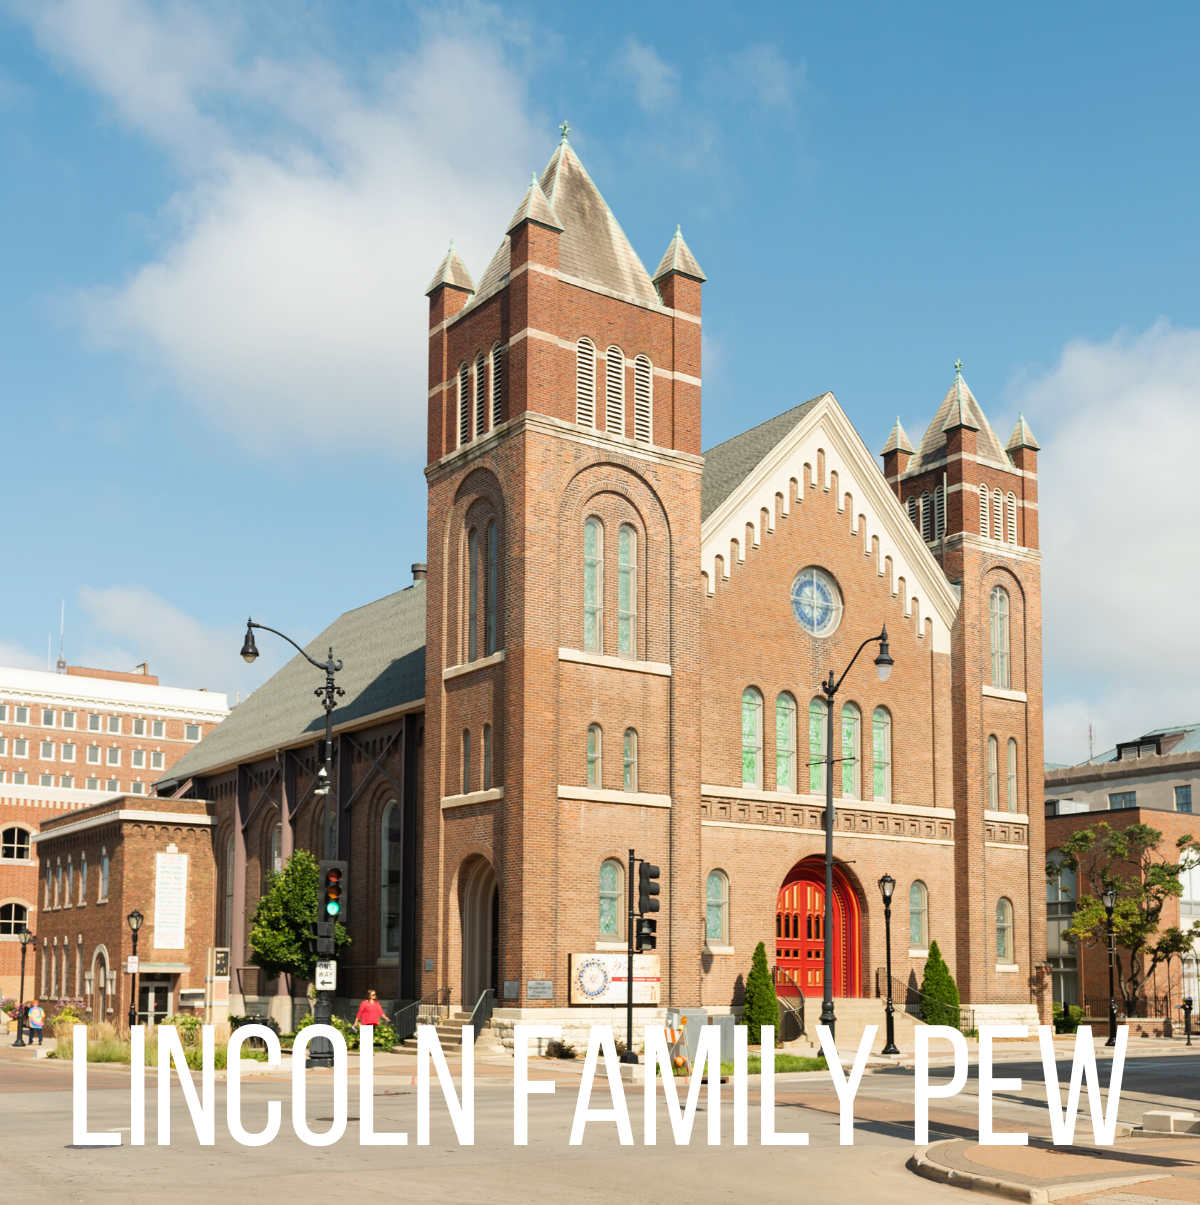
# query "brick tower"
(974, 501)
(563, 651)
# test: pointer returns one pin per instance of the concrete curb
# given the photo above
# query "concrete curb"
(923, 1164)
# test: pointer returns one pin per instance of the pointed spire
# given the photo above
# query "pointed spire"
(1022, 437)
(535, 208)
(897, 441)
(959, 414)
(453, 272)
(678, 258)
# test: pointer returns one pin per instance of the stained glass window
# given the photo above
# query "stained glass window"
(851, 728)
(785, 743)
(882, 725)
(716, 928)
(751, 737)
(610, 897)
(816, 601)
(816, 746)
(918, 916)
(593, 585)
(627, 592)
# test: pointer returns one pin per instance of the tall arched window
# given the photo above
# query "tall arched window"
(629, 760)
(626, 591)
(472, 594)
(1004, 931)
(614, 391)
(612, 876)
(851, 751)
(918, 916)
(497, 383)
(993, 773)
(1010, 512)
(585, 383)
(643, 400)
(816, 746)
(998, 614)
(1012, 775)
(389, 867)
(926, 517)
(487, 757)
(464, 404)
(481, 398)
(491, 587)
(881, 724)
(13, 918)
(595, 756)
(466, 761)
(276, 862)
(229, 864)
(785, 743)
(716, 909)
(985, 527)
(939, 512)
(593, 585)
(751, 737)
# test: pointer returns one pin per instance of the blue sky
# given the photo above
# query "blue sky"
(217, 221)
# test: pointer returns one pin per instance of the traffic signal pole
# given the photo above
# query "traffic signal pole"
(630, 1055)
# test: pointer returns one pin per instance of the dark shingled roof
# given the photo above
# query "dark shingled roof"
(729, 464)
(382, 649)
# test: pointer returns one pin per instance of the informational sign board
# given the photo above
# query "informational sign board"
(326, 976)
(512, 989)
(604, 979)
(131, 964)
(539, 989)
(170, 901)
(221, 963)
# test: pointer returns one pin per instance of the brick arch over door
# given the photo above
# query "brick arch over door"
(799, 935)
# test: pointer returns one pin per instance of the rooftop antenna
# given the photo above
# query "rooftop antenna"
(62, 620)
(1090, 734)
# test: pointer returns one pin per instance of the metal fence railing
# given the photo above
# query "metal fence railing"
(909, 997)
(429, 1010)
(481, 1014)
(1147, 1006)
(791, 1005)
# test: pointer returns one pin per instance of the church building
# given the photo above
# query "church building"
(618, 642)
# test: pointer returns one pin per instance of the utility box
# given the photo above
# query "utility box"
(690, 1020)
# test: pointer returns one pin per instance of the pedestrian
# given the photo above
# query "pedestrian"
(370, 1011)
(37, 1019)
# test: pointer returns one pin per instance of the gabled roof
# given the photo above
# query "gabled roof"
(958, 408)
(897, 441)
(729, 464)
(678, 258)
(452, 271)
(1022, 436)
(535, 208)
(382, 649)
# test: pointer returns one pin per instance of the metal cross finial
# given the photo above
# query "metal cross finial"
(565, 128)
(958, 368)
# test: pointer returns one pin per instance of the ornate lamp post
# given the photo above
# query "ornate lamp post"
(26, 937)
(887, 885)
(135, 919)
(883, 665)
(1109, 898)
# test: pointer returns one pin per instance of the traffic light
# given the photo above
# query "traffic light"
(645, 938)
(647, 887)
(321, 942)
(334, 896)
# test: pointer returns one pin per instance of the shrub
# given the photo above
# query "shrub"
(939, 1005)
(347, 1030)
(761, 1004)
(558, 1049)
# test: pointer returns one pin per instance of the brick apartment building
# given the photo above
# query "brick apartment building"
(620, 642)
(69, 740)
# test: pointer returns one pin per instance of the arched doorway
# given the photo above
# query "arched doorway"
(480, 915)
(800, 935)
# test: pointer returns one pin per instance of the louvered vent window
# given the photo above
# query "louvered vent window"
(984, 509)
(480, 395)
(997, 515)
(939, 512)
(496, 384)
(614, 391)
(643, 400)
(464, 405)
(585, 383)
(926, 518)
(1011, 513)
(912, 511)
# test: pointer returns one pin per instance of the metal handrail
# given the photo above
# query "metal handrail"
(791, 1016)
(429, 1010)
(481, 1014)
(912, 1000)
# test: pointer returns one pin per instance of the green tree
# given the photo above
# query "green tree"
(761, 1007)
(1128, 861)
(280, 926)
(939, 992)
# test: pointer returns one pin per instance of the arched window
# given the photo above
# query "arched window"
(751, 737)
(229, 870)
(716, 909)
(585, 383)
(926, 517)
(497, 382)
(595, 756)
(480, 395)
(390, 850)
(918, 916)
(626, 592)
(612, 887)
(997, 515)
(491, 587)
(614, 391)
(464, 404)
(785, 743)
(13, 918)
(629, 760)
(593, 585)
(816, 746)
(993, 773)
(14, 845)
(1010, 513)
(998, 614)
(487, 757)
(1004, 931)
(985, 528)
(1012, 775)
(643, 400)
(466, 761)
(276, 862)
(914, 511)
(851, 746)
(882, 742)
(472, 594)
(939, 512)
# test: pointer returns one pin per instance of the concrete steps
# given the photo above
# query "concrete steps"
(851, 1020)
(449, 1034)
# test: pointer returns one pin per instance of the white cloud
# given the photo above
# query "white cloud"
(15, 656)
(1119, 499)
(286, 298)
(656, 82)
(765, 74)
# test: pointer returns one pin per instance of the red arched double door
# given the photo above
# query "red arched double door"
(800, 933)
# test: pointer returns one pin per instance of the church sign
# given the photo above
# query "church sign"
(604, 979)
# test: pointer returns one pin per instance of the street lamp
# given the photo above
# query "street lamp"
(25, 937)
(1109, 898)
(135, 919)
(883, 666)
(887, 885)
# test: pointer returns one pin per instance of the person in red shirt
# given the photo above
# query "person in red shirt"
(370, 1011)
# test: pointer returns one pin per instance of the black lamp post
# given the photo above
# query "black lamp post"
(883, 665)
(135, 919)
(1109, 898)
(887, 885)
(26, 937)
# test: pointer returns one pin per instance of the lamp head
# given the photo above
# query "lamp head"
(135, 919)
(1109, 898)
(249, 648)
(884, 662)
(25, 935)
(887, 885)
